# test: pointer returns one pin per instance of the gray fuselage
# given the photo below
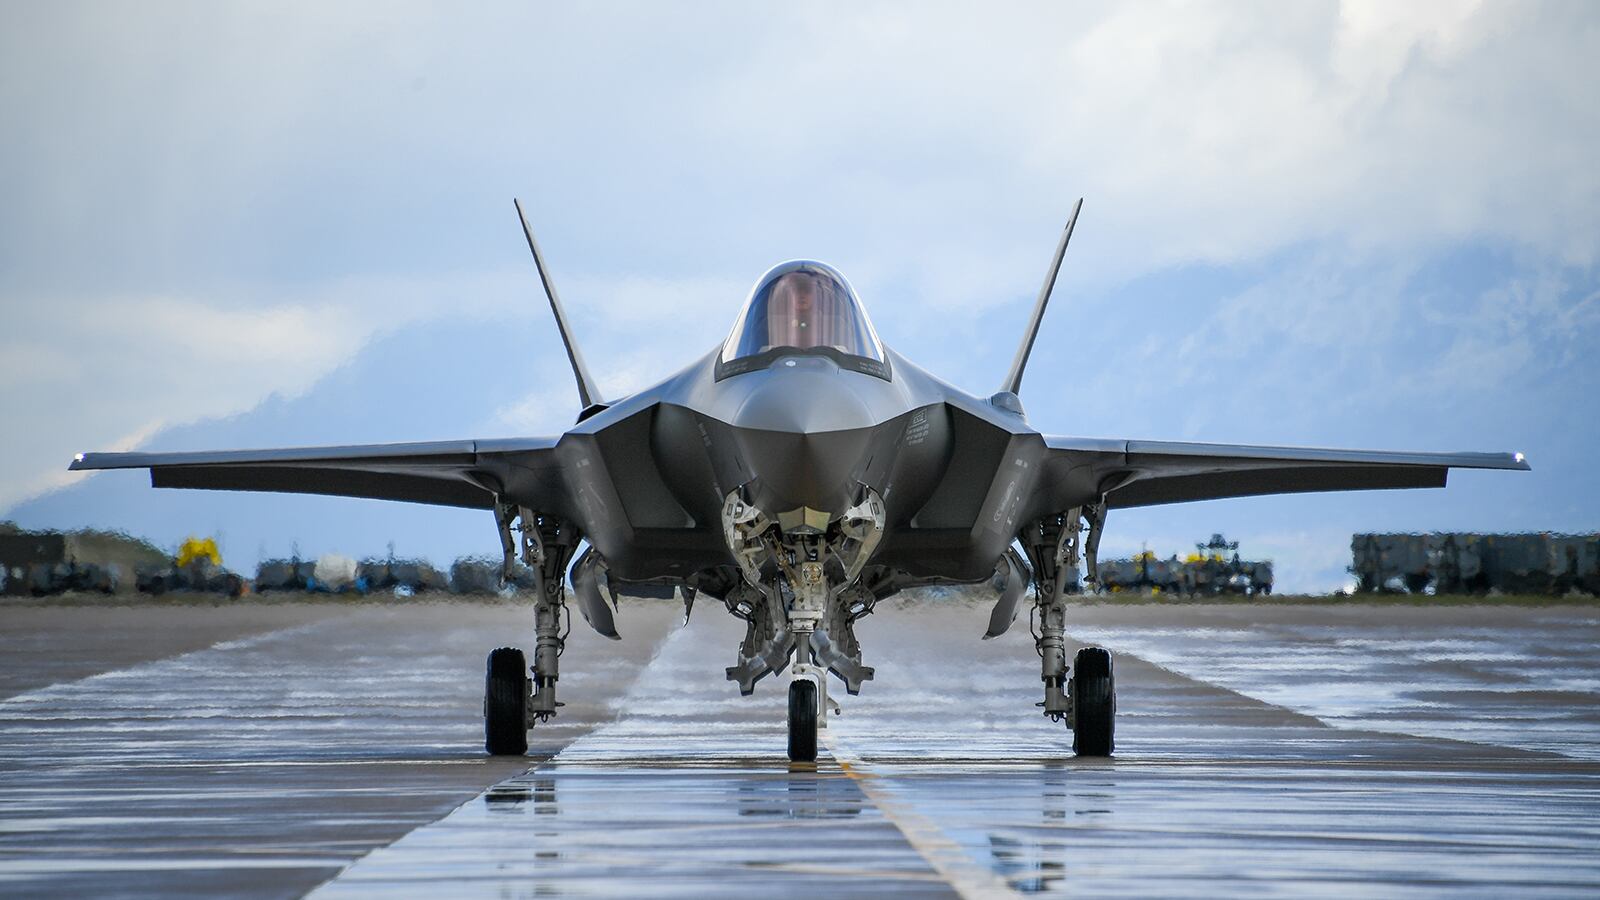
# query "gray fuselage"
(651, 474)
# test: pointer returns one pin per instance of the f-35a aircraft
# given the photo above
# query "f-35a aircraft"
(799, 473)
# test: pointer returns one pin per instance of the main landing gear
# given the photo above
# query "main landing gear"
(505, 703)
(1094, 703)
(513, 700)
(1087, 701)
(806, 612)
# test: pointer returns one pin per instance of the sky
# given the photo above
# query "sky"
(1368, 225)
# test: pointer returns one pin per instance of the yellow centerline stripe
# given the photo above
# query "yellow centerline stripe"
(948, 858)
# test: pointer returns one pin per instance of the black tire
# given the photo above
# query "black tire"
(802, 720)
(505, 703)
(1094, 703)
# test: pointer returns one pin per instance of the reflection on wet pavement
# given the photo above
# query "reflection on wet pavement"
(686, 794)
(1524, 678)
(937, 779)
(280, 752)
(261, 764)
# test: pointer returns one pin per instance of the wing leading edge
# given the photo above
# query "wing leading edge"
(442, 473)
(1148, 473)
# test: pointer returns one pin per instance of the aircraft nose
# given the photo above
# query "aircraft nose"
(804, 396)
(805, 433)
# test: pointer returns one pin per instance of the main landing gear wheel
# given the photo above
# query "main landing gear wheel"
(1094, 703)
(802, 720)
(505, 703)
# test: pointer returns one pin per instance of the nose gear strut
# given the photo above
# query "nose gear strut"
(801, 598)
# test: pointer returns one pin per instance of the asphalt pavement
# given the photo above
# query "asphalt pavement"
(1261, 750)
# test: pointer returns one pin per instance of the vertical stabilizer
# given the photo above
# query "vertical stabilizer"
(1013, 382)
(588, 391)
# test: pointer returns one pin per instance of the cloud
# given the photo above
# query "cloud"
(143, 363)
(948, 139)
(238, 197)
(649, 328)
(1198, 133)
(110, 373)
(544, 411)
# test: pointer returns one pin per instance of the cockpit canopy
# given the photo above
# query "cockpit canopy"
(802, 307)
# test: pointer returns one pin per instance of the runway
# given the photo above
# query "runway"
(1266, 750)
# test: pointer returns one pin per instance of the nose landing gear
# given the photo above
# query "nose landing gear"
(803, 720)
(800, 596)
(809, 704)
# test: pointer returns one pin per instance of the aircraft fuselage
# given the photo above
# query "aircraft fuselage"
(804, 434)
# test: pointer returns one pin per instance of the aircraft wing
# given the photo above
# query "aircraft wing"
(443, 473)
(1148, 473)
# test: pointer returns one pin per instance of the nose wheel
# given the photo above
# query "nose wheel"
(803, 720)
(809, 704)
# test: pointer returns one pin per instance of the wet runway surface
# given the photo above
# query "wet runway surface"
(259, 765)
(1375, 751)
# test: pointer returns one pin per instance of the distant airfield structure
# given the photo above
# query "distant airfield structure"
(1476, 563)
(49, 562)
(1214, 568)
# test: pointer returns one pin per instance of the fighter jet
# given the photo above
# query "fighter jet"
(799, 473)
